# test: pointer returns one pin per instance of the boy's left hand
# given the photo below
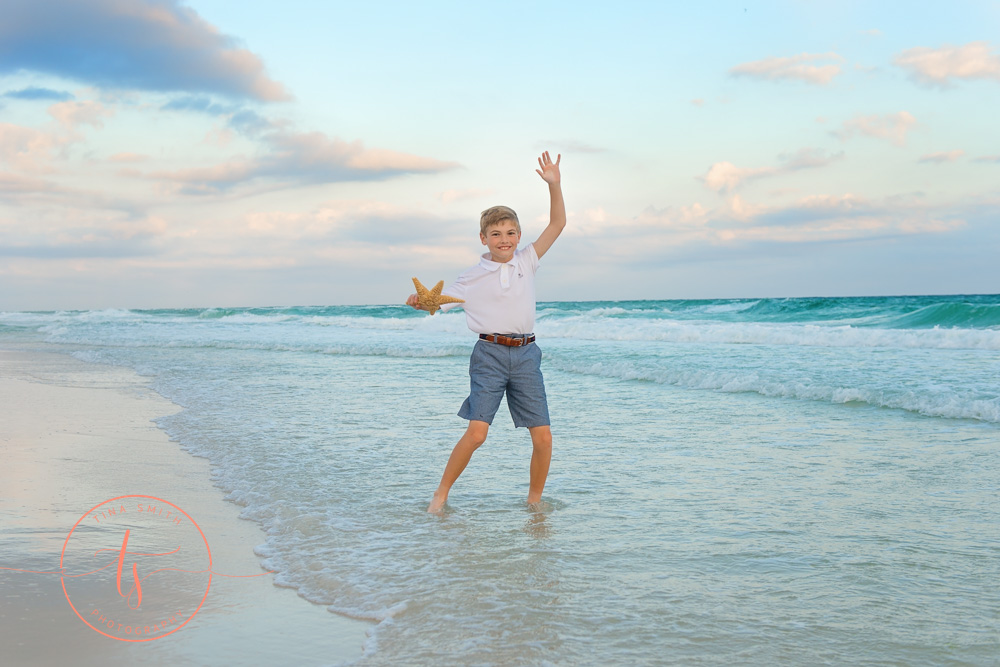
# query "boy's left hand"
(549, 170)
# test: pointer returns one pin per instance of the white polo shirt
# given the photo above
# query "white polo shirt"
(499, 298)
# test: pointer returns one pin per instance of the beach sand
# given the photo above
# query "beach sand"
(74, 434)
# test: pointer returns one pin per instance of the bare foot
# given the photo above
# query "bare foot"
(437, 504)
(540, 507)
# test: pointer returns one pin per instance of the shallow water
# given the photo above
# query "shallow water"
(793, 481)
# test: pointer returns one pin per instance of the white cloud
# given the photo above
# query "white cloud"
(341, 216)
(814, 218)
(940, 66)
(796, 68)
(31, 149)
(15, 185)
(736, 208)
(724, 177)
(22, 190)
(650, 232)
(131, 45)
(296, 159)
(360, 233)
(807, 158)
(891, 127)
(207, 180)
(27, 148)
(818, 218)
(77, 232)
(942, 157)
(842, 203)
(73, 114)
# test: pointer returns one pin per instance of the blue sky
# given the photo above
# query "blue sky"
(160, 154)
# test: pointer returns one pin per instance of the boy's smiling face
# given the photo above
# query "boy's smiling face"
(502, 239)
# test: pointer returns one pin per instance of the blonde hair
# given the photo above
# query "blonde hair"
(495, 215)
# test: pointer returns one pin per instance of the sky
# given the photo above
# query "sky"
(168, 154)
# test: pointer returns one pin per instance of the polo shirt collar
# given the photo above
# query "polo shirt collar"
(489, 264)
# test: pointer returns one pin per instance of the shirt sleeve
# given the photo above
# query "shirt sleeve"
(457, 289)
(530, 258)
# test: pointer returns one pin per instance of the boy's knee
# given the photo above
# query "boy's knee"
(541, 437)
(477, 432)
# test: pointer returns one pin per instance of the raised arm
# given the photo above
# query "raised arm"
(557, 209)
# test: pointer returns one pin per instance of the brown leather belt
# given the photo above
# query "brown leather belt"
(509, 341)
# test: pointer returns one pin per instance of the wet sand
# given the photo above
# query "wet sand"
(73, 435)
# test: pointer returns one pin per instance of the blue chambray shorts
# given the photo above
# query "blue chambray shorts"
(495, 369)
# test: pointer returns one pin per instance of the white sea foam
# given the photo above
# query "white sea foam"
(733, 307)
(942, 403)
(752, 333)
(606, 312)
(602, 323)
(254, 318)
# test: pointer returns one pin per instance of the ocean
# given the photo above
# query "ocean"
(737, 481)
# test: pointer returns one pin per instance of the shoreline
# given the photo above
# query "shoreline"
(75, 434)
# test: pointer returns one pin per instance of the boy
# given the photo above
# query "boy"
(499, 295)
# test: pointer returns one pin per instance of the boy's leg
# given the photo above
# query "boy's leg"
(541, 455)
(474, 436)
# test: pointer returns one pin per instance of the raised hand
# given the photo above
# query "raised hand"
(549, 170)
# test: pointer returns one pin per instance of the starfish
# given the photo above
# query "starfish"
(432, 299)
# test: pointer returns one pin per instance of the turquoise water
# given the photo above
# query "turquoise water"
(802, 481)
